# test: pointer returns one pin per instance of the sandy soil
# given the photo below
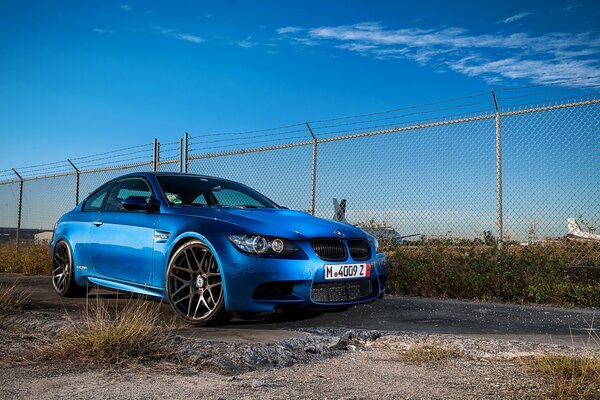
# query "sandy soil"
(375, 374)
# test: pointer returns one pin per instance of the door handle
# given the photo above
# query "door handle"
(98, 222)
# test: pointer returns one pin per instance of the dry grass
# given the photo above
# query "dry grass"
(11, 297)
(133, 333)
(428, 353)
(33, 259)
(571, 377)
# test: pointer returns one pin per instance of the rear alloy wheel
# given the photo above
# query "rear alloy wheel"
(63, 278)
(195, 284)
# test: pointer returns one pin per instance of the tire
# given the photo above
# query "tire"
(195, 284)
(63, 277)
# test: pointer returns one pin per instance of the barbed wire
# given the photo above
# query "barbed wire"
(39, 165)
(83, 163)
(553, 83)
(257, 136)
(401, 108)
(404, 115)
(113, 151)
(247, 132)
(554, 101)
(113, 162)
(545, 93)
(477, 113)
(253, 142)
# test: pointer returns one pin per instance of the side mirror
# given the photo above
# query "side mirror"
(133, 203)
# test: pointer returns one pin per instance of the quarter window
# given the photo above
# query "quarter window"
(95, 202)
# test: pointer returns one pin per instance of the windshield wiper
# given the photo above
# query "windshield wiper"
(249, 206)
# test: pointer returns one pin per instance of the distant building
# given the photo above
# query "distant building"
(42, 237)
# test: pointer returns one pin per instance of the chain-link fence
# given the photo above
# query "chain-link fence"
(506, 177)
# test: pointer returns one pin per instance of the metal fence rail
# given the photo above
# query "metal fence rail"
(507, 175)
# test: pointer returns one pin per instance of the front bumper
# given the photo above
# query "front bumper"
(264, 284)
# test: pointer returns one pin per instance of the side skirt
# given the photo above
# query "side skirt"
(128, 287)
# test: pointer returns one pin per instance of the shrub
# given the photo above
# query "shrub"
(33, 259)
(532, 274)
(11, 297)
(132, 333)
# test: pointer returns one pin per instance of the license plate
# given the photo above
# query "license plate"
(345, 271)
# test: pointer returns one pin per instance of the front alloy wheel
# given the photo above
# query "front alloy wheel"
(195, 284)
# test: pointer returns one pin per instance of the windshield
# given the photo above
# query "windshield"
(181, 190)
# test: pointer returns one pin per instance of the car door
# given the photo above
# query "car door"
(80, 227)
(123, 239)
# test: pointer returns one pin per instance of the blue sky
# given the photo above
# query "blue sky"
(86, 77)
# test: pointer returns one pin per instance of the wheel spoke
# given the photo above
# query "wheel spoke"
(198, 264)
(59, 258)
(197, 307)
(183, 298)
(61, 281)
(192, 295)
(203, 300)
(181, 288)
(179, 278)
(182, 268)
(211, 294)
(187, 259)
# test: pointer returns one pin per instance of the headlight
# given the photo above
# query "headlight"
(257, 244)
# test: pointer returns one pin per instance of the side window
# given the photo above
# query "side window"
(123, 189)
(200, 200)
(95, 202)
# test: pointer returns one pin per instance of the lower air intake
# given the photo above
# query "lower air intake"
(340, 291)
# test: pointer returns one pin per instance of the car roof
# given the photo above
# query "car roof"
(158, 173)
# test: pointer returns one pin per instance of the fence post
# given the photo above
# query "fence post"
(180, 154)
(186, 143)
(499, 222)
(313, 190)
(18, 238)
(77, 173)
(156, 155)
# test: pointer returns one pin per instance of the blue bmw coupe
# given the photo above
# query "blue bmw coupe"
(209, 246)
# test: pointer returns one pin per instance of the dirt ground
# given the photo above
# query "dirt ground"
(321, 364)
(376, 374)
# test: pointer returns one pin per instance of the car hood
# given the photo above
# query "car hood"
(290, 224)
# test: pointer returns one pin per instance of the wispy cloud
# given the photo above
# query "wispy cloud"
(493, 57)
(125, 7)
(247, 43)
(186, 37)
(101, 30)
(515, 17)
(571, 6)
(288, 29)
